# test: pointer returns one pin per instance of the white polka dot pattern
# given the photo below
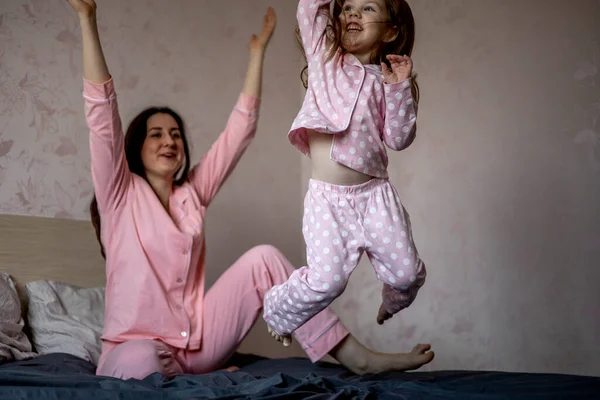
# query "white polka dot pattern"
(340, 224)
(350, 100)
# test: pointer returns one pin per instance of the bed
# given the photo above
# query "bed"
(58, 276)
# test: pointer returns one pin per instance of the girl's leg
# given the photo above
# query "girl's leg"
(392, 251)
(334, 244)
(235, 301)
(347, 206)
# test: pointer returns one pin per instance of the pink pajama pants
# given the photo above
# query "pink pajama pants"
(231, 307)
(340, 224)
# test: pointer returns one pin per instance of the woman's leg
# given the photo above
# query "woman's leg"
(357, 358)
(235, 301)
(137, 359)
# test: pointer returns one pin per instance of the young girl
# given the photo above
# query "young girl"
(354, 105)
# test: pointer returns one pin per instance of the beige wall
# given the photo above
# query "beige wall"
(503, 187)
(503, 182)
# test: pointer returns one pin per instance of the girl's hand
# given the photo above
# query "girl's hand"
(83, 7)
(259, 43)
(401, 69)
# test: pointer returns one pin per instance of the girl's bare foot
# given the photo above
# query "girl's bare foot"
(383, 315)
(286, 340)
(360, 360)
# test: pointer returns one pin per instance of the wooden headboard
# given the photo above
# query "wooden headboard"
(34, 248)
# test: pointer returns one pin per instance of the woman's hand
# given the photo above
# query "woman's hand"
(83, 7)
(259, 43)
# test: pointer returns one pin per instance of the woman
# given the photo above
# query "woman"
(158, 318)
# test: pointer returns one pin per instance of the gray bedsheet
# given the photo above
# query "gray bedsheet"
(61, 376)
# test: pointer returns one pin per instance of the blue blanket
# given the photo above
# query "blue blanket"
(61, 376)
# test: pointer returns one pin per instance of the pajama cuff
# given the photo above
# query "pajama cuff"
(99, 92)
(325, 340)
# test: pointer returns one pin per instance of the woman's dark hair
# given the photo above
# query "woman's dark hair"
(134, 140)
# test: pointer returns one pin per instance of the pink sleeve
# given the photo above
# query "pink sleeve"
(313, 17)
(110, 172)
(400, 123)
(216, 165)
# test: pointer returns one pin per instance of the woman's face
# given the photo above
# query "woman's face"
(163, 151)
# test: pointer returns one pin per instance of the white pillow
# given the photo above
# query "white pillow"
(66, 319)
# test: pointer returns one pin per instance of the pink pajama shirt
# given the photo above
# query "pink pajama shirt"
(350, 101)
(157, 316)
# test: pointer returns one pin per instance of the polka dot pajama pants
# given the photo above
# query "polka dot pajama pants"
(340, 224)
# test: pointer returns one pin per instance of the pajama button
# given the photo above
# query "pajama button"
(179, 280)
(184, 334)
(184, 251)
